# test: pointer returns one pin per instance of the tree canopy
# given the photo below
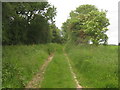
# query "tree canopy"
(86, 24)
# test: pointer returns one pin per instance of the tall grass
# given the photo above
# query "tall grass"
(21, 63)
(95, 66)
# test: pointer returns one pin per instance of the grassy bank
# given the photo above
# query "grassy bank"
(58, 74)
(95, 67)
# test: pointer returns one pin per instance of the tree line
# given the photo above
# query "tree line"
(29, 23)
(34, 23)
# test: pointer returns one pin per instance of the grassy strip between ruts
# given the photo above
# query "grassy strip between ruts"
(95, 67)
(58, 74)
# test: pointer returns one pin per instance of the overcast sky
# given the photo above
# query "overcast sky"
(64, 7)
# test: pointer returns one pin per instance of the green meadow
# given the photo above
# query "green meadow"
(94, 66)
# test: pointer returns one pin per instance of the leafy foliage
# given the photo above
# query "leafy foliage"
(56, 34)
(28, 23)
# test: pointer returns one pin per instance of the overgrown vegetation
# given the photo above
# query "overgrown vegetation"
(21, 63)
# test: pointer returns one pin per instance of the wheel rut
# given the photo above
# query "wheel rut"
(78, 86)
(37, 79)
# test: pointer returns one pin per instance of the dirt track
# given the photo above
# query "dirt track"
(37, 79)
(78, 86)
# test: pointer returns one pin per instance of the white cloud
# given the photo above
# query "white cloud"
(65, 6)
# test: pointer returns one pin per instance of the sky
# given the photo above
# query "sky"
(64, 7)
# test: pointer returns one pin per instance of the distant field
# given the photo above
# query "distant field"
(95, 67)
